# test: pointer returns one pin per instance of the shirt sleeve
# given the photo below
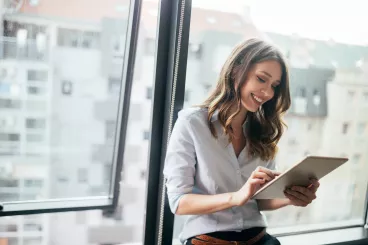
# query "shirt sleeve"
(179, 170)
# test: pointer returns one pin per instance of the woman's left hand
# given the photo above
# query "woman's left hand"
(302, 196)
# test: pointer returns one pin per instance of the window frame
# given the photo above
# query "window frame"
(155, 210)
(110, 201)
(168, 98)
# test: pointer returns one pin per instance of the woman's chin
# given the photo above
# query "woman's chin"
(251, 108)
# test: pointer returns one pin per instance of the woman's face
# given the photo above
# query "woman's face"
(260, 84)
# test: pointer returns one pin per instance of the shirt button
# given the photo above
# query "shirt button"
(238, 171)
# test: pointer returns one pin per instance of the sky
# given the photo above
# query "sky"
(340, 20)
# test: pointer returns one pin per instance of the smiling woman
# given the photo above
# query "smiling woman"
(222, 152)
(254, 73)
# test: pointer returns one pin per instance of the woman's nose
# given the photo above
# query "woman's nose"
(267, 92)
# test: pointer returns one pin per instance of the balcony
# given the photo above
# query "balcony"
(11, 48)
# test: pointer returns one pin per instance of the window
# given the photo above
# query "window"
(35, 137)
(32, 227)
(35, 123)
(320, 135)
(143, 174)
(302, 93)
(114, 86)
(195, 50)
(345, 128)
(10, 104)
(316, 97)
(33, 183)
(34, 90)
(78, 39)
(82, 175)
(32, 241)
(187, 95)
(9, 137)
(9, 183)
(146, 135)
(37, 75)
(66, 87)
(361, 129)
(7, 197)
(58, 133)
(356, 159)
(149, 93)
(9, 241)
(110, 130)
(310, 126)
(47, 149)
(365, 97)
(351, 96)
(8, 122)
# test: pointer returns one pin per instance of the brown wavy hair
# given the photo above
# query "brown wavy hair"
(264, 127)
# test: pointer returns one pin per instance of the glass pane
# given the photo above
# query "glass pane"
(126, 225)
(328, 71)
(58, 111)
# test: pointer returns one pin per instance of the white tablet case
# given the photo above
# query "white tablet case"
(311, 167)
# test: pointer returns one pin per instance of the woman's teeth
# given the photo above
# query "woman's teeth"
(257, 98)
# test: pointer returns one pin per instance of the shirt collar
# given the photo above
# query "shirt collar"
(215, 117)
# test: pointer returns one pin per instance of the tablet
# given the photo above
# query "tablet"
(300, 175)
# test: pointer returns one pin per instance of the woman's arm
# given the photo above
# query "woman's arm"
(204, 204)
(272, 204)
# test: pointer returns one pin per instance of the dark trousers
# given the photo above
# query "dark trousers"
(266, 240)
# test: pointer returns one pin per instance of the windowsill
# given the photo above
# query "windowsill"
(357, 235)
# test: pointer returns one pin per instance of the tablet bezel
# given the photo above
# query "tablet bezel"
(339, 160)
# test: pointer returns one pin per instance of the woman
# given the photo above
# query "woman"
(223, 151)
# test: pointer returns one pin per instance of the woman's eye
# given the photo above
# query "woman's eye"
(261, 80)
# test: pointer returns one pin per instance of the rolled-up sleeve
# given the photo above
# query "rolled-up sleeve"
(179, 170)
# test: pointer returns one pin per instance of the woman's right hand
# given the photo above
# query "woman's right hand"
(258, 178)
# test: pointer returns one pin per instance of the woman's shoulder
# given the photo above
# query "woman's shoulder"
(194, 114)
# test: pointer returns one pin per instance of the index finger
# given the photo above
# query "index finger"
(276, 173)
(267, 171)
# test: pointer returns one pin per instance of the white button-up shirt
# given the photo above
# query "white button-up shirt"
(197, 162)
